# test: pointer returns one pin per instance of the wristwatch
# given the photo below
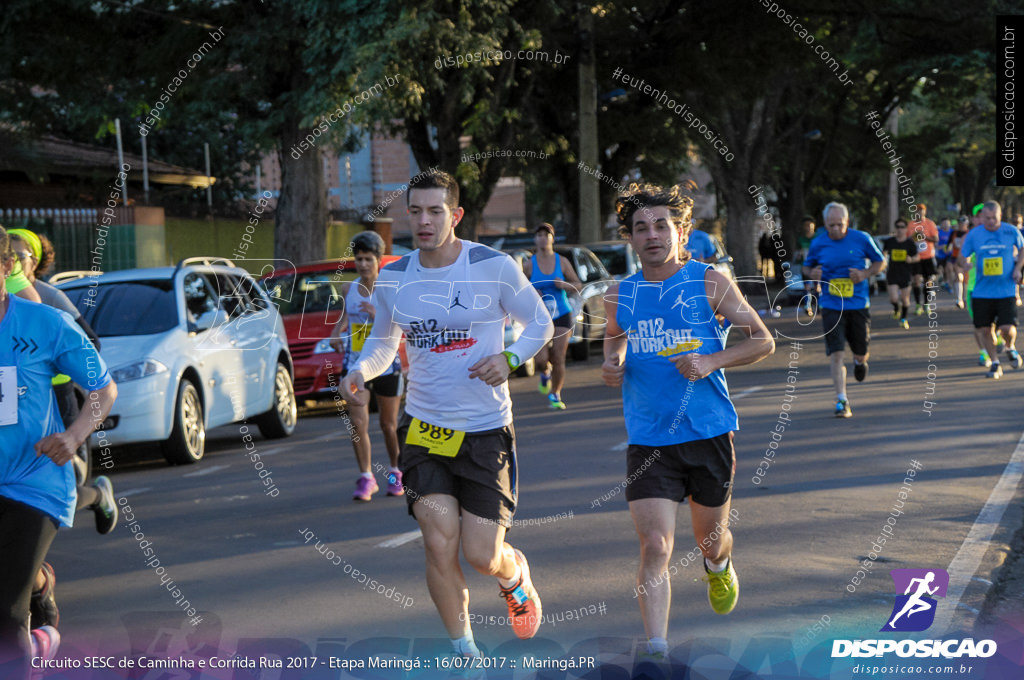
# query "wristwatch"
(512, 359)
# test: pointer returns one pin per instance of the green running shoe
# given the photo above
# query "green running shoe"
(723, 588)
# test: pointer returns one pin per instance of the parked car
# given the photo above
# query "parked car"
(588, 307)
(309, 300)
(618, 257)
(190, 347)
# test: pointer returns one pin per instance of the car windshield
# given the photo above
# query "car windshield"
(311, 292)
(613, 258)
(127, 307)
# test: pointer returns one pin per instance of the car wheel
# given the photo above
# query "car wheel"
(280, 420)
(580, 351)
(187, 442)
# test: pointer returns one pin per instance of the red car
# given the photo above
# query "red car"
(310, 303)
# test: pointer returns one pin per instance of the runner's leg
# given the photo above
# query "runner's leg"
(655, 522)
(438, 517)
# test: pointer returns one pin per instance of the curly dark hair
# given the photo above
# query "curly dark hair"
(5, 246)
(47, 258)
(643, 196)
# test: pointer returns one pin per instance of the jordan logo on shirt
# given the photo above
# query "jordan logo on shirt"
(456, 303)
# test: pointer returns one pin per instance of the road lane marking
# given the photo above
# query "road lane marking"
(972, 551)
(749, 390)
(206, 470)
(621, 446)
(401, 539)
(132, 492)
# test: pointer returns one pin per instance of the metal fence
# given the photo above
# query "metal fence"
(73, 232)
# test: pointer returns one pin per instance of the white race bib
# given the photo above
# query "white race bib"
(8, 395)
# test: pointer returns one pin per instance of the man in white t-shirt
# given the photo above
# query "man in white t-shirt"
(450, 297)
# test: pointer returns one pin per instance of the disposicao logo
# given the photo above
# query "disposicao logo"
(914, 611)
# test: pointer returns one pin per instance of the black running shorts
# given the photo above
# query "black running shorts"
(386, 385)
(925, 267)
(564, 321)
(998, 311)
(848, 326)
(702, 470)
(482, 476)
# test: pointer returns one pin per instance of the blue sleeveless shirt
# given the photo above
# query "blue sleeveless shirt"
(663, 319)
(555, 299)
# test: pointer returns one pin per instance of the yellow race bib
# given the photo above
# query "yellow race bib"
(440, 441)
(360, 331)
(841, 287)
(992, 266)
(898, 255)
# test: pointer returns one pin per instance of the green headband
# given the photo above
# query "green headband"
(29, 237)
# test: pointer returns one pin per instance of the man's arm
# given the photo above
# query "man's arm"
(336, 333)
(378, 350)
(522, 302)
(613, 368)
(60, 447)
(726, 299)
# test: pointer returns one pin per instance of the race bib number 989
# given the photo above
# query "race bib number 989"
(441, 441)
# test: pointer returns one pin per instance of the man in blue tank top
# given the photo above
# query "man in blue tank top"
(838, 263)
(666, 349)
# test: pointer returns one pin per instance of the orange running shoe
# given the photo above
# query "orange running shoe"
(524, 609)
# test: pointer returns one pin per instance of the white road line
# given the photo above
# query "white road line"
(271, 452)
(206, 470)
(132, 492)
(749, 390)
(400, 539)
(971, 552)
(621, 446)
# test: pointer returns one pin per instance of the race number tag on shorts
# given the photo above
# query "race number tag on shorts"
(841, 287)
(8, 395)
(440, 440)
(898, 255)
(360, 331)
(992, 266)
(551, 304)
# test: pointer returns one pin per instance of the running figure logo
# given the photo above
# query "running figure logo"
(915, 610)
(455, 303)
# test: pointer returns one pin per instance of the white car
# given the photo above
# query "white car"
(190, 347)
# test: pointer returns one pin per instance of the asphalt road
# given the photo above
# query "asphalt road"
(239, 556)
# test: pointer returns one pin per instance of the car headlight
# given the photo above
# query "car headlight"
(139, 369)
(323, 347)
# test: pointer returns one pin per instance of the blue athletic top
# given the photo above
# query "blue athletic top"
(940, 247)
(663, 319)
(993, 265)
(555, 298)
(836, 259)
(36, 343)
(700, 245)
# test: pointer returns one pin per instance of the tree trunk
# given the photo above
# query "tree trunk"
(301, 218)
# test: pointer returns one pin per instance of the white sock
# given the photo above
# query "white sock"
(465, 645)
(655, 645)
(393, 469)
(841, 397)
(717, 566)
(368, 475)
(515, 577)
